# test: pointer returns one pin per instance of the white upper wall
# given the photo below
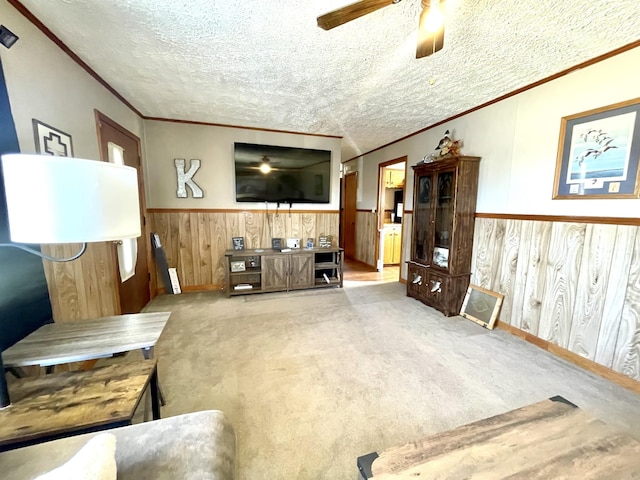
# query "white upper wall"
(46, 84)
(517, 139)
(213, 146)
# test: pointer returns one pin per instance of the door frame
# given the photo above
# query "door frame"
(378, 238)
(146, 229)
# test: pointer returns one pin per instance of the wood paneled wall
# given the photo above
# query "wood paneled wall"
(84, 288)
(366, 224)
(195, 241)
(575, 285)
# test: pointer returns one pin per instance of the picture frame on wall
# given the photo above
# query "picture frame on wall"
(599, 153)
(51, 141)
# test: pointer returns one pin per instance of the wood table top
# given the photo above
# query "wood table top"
(549, 439)
(60, 403)
(57, 343)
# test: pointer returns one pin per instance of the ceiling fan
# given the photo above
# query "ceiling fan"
(430, 26)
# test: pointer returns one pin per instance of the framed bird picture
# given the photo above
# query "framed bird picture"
(599, 152)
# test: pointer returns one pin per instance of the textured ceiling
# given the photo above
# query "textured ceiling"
(265, 63)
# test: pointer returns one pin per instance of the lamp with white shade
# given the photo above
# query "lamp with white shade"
(67, 200)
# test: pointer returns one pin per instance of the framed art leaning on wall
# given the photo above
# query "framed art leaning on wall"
(599, 152)
(481, 306)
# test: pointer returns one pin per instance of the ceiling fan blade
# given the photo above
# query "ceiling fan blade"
(429, 42)
(351, 12)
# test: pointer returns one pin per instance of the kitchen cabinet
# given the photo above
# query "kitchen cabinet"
(394, 178)
(392, 244)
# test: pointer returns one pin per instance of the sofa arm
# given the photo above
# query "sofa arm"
(198, 445)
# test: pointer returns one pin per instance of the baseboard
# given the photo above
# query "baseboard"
(590, 365)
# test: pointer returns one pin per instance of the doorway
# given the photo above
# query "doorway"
(391, 197)
(349, 217)
(135, 292)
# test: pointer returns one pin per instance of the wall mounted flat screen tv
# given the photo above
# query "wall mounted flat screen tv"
(294, 175)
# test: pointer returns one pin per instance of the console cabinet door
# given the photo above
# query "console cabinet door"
(417, 277)
(435, 291)
(301, 270)
(442, 222)
(275, 272)
(422, 245)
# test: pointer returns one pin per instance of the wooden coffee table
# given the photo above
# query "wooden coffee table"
(549, 439)
(63, 404)
(65, 342)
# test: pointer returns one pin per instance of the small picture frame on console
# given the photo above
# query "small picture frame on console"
(325, 241)
(238, 243)
(238, 266)
(276, 244)
(293, 243)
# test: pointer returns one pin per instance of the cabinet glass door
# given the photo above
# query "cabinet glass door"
(422, 219)
(443, 221)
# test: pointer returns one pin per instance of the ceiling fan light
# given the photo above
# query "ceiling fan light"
(433, 21)
(430, 28)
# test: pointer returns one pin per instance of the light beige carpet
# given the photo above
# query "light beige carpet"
(313, 379)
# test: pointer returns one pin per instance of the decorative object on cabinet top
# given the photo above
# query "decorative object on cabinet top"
(447, 147)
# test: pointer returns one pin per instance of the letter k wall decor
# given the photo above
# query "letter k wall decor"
(51, 141)
(186, 178)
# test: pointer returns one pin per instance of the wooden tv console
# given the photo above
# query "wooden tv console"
(268, 270)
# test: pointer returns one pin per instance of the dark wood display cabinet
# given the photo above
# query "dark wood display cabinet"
(267, 270)
(444, 206)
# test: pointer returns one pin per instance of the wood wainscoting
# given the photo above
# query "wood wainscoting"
(570, 282)
(194, 243)
(366, 224)
(84, 288)
(195, 240)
